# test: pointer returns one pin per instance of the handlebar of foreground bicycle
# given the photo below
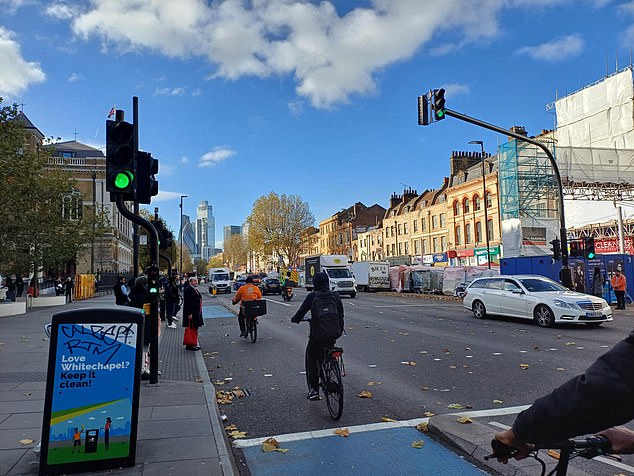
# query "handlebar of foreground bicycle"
(593, 445)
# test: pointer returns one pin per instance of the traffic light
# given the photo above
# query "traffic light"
(438, 104)
(153, 279)
(588, 247)
(120, 159)
(146, 169)
(423, 110)
(165, 235)
(556, 249)
(576, 248)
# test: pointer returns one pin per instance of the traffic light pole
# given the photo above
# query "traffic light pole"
(154, 258)
(565, 275)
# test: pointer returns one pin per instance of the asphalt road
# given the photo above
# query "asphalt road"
(414, 354)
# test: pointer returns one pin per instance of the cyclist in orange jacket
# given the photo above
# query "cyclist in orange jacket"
(246, 292)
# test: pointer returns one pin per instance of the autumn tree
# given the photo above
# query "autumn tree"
(236, 251)
(144, 250)
(42, 214)
(275, 225)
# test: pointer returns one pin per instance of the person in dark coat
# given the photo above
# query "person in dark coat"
(138, 297)
(10, 289)
(321, 283)
(192, 310)
(595, 401)
(172, 301)
(19, 283)
(121, 292)
(68, 289)
(597, 282)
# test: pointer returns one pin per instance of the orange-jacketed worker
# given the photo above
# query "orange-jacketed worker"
(619, 283)
(246, 292)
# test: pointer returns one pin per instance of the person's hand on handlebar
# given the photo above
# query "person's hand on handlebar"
(507, 437)
(622, 439)
(296, 320)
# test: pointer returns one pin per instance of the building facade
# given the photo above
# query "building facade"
(205, 231)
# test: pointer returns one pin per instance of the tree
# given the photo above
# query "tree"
(43, 225)
(275, 225)
(236, 251)
(215, 262)
(144, 251)
(200, 266)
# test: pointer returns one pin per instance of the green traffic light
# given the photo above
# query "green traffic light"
(440, 114)
(590, 255)
(153, 290)
(123, 180)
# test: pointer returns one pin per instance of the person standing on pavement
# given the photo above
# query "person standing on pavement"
(10, 289)
(68, 289)
(247, 292)
(192, 310)
(597, 282)
(121, 292)
(619, 283)
(172, 300)
(19, 283)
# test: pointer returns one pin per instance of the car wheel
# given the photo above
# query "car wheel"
(544, 316)
(479, 310)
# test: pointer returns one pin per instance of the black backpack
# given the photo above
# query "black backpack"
(326, 323)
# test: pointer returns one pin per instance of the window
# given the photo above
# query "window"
(423, 224)
(456, 208)
(387, 232)
(478, 232)
(443, 243)
(415, 226)
(476, 203)
(424, 246)
(400, 249)
(415, 247)
(405, 228)
(490, 229)
(392, 230)
(434, 222)
(435, 250)
(400, 229)
(489, 200)
(443, 220)
(458, 235)
(392, 249)
(467, 233)
(465, 205)
(72, 206)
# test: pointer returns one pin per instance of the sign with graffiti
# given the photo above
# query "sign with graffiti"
(92, 390)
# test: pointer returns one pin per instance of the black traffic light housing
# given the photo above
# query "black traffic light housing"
(556, 249)
(120, 170)
(588, 247)
(576, 248)
(423, 110)
(153, 277)
(146, 169)
(166, 237)
(438, 104)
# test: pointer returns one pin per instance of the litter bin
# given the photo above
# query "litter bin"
(92, 438)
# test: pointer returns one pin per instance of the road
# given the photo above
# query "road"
(416, 356)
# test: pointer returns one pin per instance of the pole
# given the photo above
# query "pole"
(564, 275)
(135, 225)
(94, 222)
(484, 194)
(180, 269)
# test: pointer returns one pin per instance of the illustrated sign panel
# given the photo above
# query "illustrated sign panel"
(92, 390)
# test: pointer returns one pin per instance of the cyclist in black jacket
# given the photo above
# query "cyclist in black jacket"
(600, 398)
(313, 349)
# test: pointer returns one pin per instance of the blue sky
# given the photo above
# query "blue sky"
(316, 99)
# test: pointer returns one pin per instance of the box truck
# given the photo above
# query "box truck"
(372, 275)
(337, 269)
(220, 278)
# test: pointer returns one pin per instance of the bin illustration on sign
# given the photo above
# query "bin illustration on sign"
(92, 390)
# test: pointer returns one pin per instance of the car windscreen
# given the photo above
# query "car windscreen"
(272, 281)
(338, 273)
(220, 277)
(537, 285)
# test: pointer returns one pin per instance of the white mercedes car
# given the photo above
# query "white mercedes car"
(534, 297)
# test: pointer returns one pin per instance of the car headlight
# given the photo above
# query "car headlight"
(564, 304)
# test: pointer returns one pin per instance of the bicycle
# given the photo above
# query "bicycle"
(331, 371)
(252, 327)
(586, 447)
(253, 309)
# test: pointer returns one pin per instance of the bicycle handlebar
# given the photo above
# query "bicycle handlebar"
(601, 445)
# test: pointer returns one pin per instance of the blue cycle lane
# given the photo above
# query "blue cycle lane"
(379, 452)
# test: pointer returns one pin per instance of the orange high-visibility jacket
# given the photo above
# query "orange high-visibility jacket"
(247, 292)
(618, 282)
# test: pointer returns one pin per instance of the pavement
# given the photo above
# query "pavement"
(180, 430)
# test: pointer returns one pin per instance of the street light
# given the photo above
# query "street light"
(180, 270)
(484, 187)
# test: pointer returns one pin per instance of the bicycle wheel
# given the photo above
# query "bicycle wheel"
(333, 387)
(253, 329)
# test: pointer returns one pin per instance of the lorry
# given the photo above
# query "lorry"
(372, 275)
(220, 278)
(337, 269)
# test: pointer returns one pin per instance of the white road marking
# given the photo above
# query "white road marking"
(277, 302)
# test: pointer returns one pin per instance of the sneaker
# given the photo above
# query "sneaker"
(243, 334)
(172, 326)
(174, 318)
(313, 394)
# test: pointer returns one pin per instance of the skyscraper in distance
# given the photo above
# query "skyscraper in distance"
(205, 230)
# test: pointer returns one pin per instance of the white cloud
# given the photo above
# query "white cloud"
(217, 155)
(556, 50)
(169, 91)
(61, 11)
(184, 160)
(12, 5)
(74, 77)
(454, 89)
(17, 73)
(164, 196)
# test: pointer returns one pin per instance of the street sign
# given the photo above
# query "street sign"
(91, 404)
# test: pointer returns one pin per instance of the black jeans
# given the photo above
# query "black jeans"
(313, 361)
(620, 299)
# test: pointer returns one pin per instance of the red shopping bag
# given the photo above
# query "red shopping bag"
(191, 336)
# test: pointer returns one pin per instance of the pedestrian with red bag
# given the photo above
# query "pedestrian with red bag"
(192, 314)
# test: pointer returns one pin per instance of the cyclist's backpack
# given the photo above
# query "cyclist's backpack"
(326, 323)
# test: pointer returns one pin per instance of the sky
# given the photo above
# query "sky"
(317, 99)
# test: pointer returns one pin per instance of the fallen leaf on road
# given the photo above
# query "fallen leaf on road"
(455, 406)
(418, 444)
(271, 444)
(199, 380)
(453, 367)
(429, 414)
(424, 427)
(561, 369)
(464, 420)
(26, 441)
(571, 343)
(553, 454)
(386, 419)
(498, 401)
(408, 363)
(224, 398)
(524, 366)
(425, 388)
(231, 427)
(344, 432)
(365, 394)
(238, 434)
